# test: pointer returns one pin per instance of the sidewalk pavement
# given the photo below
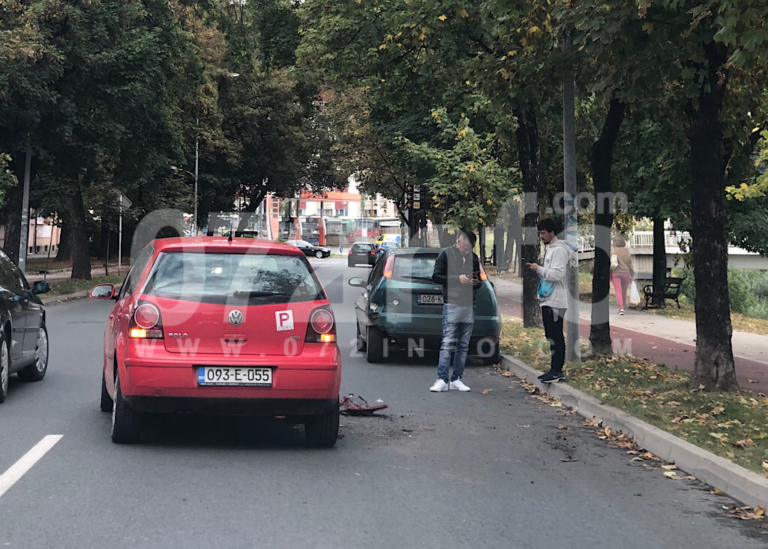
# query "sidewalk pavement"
(65, 274)
(659, 339)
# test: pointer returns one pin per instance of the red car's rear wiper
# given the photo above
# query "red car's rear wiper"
(260, 294)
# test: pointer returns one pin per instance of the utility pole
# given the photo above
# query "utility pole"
(573, 342)
(24, 236)
(197, 163)
(120, 238)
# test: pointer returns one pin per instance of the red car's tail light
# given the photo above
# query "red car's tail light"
(146, 323)
(146, 316)
(322, 326)
(322, 321)
(389, 266)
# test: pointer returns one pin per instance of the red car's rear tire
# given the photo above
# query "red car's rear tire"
(126, 422)
(323, 431)
(106, 400)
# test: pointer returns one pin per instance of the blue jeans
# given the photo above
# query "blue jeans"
(458, 321)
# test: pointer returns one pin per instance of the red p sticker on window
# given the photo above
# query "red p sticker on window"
(284, 320)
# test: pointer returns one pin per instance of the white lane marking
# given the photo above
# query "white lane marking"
(27, 461)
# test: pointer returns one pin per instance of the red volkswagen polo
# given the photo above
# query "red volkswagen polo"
(209, 325)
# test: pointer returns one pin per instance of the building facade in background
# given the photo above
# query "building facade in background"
(43, 234)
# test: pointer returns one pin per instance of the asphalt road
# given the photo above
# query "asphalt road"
(437, 470)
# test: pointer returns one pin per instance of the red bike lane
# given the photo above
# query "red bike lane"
(750, 374)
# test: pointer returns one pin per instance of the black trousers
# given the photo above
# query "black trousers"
(553, 328)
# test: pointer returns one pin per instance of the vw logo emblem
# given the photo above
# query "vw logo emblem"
(236, 318)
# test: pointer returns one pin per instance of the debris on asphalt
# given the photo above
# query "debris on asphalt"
(354, 405)
(746, 513)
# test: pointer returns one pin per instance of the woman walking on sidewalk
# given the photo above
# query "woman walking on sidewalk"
(622, 271)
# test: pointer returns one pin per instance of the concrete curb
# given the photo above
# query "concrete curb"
(63, 298)
(736, 481)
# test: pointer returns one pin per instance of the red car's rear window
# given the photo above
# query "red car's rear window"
(226, 277)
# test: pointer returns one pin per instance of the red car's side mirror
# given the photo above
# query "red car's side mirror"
(103, 291)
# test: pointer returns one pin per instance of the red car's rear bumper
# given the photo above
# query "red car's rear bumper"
(301, 385)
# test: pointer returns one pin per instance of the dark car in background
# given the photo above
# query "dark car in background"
(362, 252)
(24, 337)
(310, 249)
(401, 308)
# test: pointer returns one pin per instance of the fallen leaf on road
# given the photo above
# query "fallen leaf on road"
(486, 391)
(562, 428)
(592, 422)
(718, 492)
(506, 373)
(752, 381)
(607, 431)
(670, 474)
(670, 467)
(759, 511)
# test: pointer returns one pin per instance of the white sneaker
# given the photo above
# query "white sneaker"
(439, 386)
(621, 311)
(458, 385)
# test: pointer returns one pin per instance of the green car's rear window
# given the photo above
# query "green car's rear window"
(418, 268)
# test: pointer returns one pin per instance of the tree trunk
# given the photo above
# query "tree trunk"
(659, 259)
(498, 247)
(714, 366)
(13, 221)
(446, 238)
(81, 258)
(529, 153)
(481, 241)
(602, 160)
(514, 239)
(64, 253)
(256, 199)
(104, 240)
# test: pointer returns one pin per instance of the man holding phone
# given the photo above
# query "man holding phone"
(457, 269)
(553, 296)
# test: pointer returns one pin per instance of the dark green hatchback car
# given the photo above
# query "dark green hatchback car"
(402, 309)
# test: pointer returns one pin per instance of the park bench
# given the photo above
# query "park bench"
(672, 287)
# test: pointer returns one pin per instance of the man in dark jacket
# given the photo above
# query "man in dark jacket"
(458, 270)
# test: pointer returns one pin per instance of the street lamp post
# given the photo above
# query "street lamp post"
(197, 158)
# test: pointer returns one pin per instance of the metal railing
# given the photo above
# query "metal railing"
(672, 239)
